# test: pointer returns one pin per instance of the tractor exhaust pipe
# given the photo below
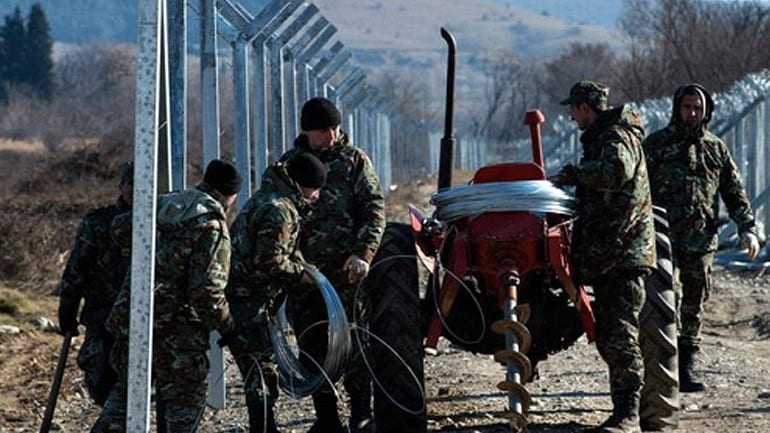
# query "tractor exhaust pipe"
(448, 142)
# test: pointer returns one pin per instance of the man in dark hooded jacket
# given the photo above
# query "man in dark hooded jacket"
(266, 264)
(94, 273)
(340, 235)
(689, 166)
(613, 240)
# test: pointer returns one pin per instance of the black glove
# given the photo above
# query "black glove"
(68, 316)
(567, 176)
(228, 336)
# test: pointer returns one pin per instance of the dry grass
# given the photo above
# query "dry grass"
(43, 196)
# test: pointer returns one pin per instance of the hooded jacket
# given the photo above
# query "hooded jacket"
(614, 228)
(266, 257)
(688, 170)
(192, 262)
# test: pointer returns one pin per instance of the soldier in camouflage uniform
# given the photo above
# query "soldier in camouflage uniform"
(340, 236)
(267, 263)
(94, 273)
(613, 239)
(690, 166)
(192, 263)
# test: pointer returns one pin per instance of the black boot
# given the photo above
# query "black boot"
(687, 380)
(361, 419)
(261, 422)
(327, 419)
(625, 415)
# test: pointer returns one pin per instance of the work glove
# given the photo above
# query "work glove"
(750, 242)
(68, 316)
(567, 176)
(357, 268)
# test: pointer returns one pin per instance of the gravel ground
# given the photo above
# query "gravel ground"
(570, 395)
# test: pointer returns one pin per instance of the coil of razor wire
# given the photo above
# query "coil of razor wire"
(299, 380)
(536, 196)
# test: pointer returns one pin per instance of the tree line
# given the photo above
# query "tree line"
(26, 54)
(667, 43)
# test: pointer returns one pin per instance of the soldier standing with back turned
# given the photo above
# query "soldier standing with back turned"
(689, 167)
(613, 239)
(192, 264)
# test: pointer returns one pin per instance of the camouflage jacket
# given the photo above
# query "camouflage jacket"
(614, 227)
(192, 262)
(266, 256)
(96, 267)
(687, 171)
(349, 217)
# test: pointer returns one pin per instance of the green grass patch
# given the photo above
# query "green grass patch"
(18, 306)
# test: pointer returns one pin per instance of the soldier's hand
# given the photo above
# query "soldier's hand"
(565, 177)
(750, 242)
(357, 268)
(68, 317)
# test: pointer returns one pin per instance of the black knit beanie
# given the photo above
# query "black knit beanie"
(307, 170)
(223, 177)
(319, 113)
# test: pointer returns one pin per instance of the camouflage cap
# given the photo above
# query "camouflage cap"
(590, 92)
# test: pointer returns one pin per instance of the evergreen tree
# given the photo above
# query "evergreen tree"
(39, 64)
(12, 51)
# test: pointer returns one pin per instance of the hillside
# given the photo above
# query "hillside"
(602, 12)
(390, 25)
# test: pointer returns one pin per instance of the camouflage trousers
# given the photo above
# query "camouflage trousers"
(94, 360)
(254, 355)
(619, 300)
(692, 280)
(180, 384)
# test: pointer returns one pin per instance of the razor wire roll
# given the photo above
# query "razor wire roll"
(297, 379)
(537, 196)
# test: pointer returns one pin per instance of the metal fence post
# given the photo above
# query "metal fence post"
(177, 51)
(268, 20)
(143, 235)
(260, 128)
(387, 154)
(242, 133)
(326, 68)
(209, 81)
(278, 106)
(307, 54)
(347, 84)
(740, 149)
(296, 49)
(290, 70)
(349, 123)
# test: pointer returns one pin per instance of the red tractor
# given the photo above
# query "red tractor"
(497, 280)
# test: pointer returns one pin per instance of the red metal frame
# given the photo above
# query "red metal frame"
(495, 245)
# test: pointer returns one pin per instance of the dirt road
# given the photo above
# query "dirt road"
(570, 395)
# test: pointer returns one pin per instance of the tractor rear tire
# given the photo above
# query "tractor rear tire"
(658, 339)
(398, 320)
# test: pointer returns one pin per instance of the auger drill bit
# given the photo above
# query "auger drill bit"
(518, 366)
